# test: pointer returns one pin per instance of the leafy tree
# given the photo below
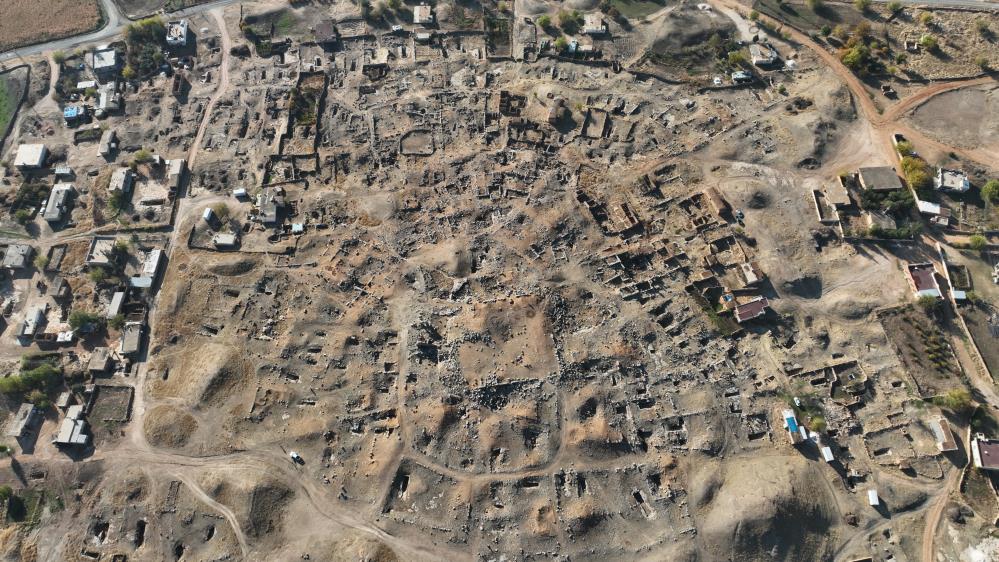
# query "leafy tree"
(98, 275)
(22, 216)
(736, 58)
(117, 322)
(395, 5)
(857, 57)
(982, 61)
(561, 43)
(990, 191)
(221, 211)
(569, 21)
(39, 399)
(80, 318)
(6, 492)
(41, 261)
(826, 30)
(116, 201)
(59, 57)
(142, 156)
(928, 303)
(977, 242)
(544, 21)
(958, 400)
(754, 15)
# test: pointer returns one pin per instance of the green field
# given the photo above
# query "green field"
(8, 102)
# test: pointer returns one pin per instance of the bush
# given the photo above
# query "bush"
(41, 261)
(826, 30)
(905, 148)
(977, 242)
(544, 21)
(561, 43)
(142, 156)
(814, 5)
(81, 318)
(117, 322)
(990, 191)
(862, 5)
(982, 26)
(928, 42)
(754, 15)
(116, 201)
(98, 275)
(957, 400)
(6, 492)
(39, 399)
(982, 62)
(926, 18)
(737, 58)
(894, 6)
(221, 211)
(857, 57)
(22, 216)
(570, 21)
(928, 303)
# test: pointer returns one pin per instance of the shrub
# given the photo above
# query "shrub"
(928, 42)
(142, 156)
(826, 30)
(117, 322)
(80, 318)
(754, 15)
(736, 58)
(958, 400)
(221, 211)
(98, 275)
(814, 5)
(561, 43)
(894, 6)
(990, 191)
(41, 261)
(116, 201)
(977, 242)
(569, 21)
(982, 26)
(544, 21)
(925, 18)
(982, 61)
(22, 216)
(6, 492)
(39, 399)
(928, 303)
(862, 5)
(905, 148)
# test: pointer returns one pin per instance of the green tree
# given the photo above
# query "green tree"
(98, 275)
(544, 21)
(59, 57)
(80, 318)
(982, 61)
(982, 26)
(561, 43)
(116, 201)
(958, 400)
(395, 5)
(117, 322)
(736, 58)
(990, 191)
(754, 15)
(221, 211)
(39, 399)
(929, 303)
(569, 21)
(41, 261)
(142, 156)
(826, 31)
(22, 216)
(905, 148)
(128, 72)
(6, 492)
(977, 242)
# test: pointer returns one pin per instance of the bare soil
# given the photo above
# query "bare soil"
(20, 24)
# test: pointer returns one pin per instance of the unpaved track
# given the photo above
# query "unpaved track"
(936, 511)
(219, 91)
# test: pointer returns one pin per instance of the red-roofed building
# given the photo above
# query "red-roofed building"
(751, 309)
(923, 280)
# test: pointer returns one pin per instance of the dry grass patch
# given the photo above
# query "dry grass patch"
(21, 24)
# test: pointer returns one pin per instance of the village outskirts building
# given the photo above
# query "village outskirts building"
(22, 426)
(176, 33)
(985, 453)
(17, 257)
(923, 280)
(58, 203)
(30, 156)
(73, 431)
(879, 178)
(943, 434)
(423, 15)
(762, 55)
(951, 180)
(105, 63)
(593, 24)
(122, 181)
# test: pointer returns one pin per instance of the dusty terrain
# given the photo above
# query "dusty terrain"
(477, 296)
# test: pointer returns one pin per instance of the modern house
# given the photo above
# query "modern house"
(762, 56)
(985, 453)
(122, 180)
(73, 431)
(951, 180)
(105, 63)
(795, 432)
(751, 309)
(923, 280)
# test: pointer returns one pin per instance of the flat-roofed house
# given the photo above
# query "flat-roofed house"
(879, 178)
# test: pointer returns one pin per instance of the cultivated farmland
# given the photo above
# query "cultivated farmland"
(21, 24)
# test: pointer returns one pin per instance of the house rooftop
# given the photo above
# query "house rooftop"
(951, 180)
(752, 309)
(922, 277)
(30, 156)
(17, 256)
(22, 421)
(985, 453)
(880, 178)
(941, 430)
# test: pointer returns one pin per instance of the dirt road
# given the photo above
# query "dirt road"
(935, 512)
(223, 85)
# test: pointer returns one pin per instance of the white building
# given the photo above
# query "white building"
(30, 156)
(951, 180)
(423, 15)
(176, 33)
